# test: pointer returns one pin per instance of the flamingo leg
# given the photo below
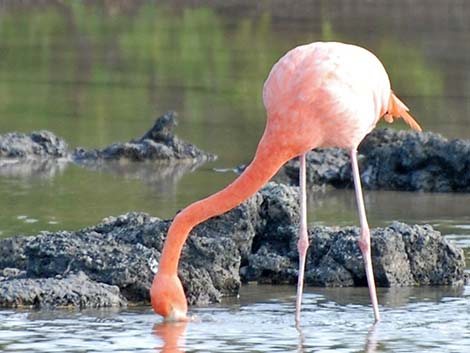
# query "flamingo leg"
(302, 243)
(364, 239)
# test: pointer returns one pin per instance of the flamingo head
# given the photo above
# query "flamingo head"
(167, 297)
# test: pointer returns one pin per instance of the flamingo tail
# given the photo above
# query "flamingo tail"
(396, 108)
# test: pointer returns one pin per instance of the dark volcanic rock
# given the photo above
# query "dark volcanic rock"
(280, 208)
(38, 144)
(254, 242)
(397, 160)
(108, 253)
(120, 252)
(102, 257)
(43, 154)
(12, 252)
(408, 160)
(325, 166)
(402, 255)
(215, 250)
(75, 290)
(432, 261)
(159, 143)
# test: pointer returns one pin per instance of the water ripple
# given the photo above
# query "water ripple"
(432, 320)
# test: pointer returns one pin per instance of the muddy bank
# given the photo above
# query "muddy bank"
(254, 242)
(393, 160)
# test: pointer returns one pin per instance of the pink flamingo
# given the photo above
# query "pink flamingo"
(317, 95)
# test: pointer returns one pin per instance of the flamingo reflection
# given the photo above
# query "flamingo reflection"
(172, 335)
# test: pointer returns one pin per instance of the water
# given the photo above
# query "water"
(97, 72)
(262, 320)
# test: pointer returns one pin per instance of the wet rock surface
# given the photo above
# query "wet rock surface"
(74, 290)
(159, 143)
(120, 252)
(254, 242)
(325, 166)
(402, 255)
(43, 154)
(394, 160)
(38, 144)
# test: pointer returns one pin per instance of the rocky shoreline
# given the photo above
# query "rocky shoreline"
(110, 264)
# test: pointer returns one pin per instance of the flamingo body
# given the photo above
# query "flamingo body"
(325, 94)
(317, 95)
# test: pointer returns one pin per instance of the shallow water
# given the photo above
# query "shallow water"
(261, 320)
(97, 72)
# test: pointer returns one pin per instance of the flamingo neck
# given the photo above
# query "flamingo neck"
(267, 162)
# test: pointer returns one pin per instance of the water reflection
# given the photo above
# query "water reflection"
(389, 297)
(32, 168)
(300, 347)
(346, 312)
(161, 176)
(172, 335)
(261, 321)
(336, 207)
(372, 343)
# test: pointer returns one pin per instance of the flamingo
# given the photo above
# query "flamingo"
(322, 94)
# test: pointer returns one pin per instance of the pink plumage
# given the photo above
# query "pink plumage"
(327, 94)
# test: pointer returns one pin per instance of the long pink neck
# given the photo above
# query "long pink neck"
(266, 163)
